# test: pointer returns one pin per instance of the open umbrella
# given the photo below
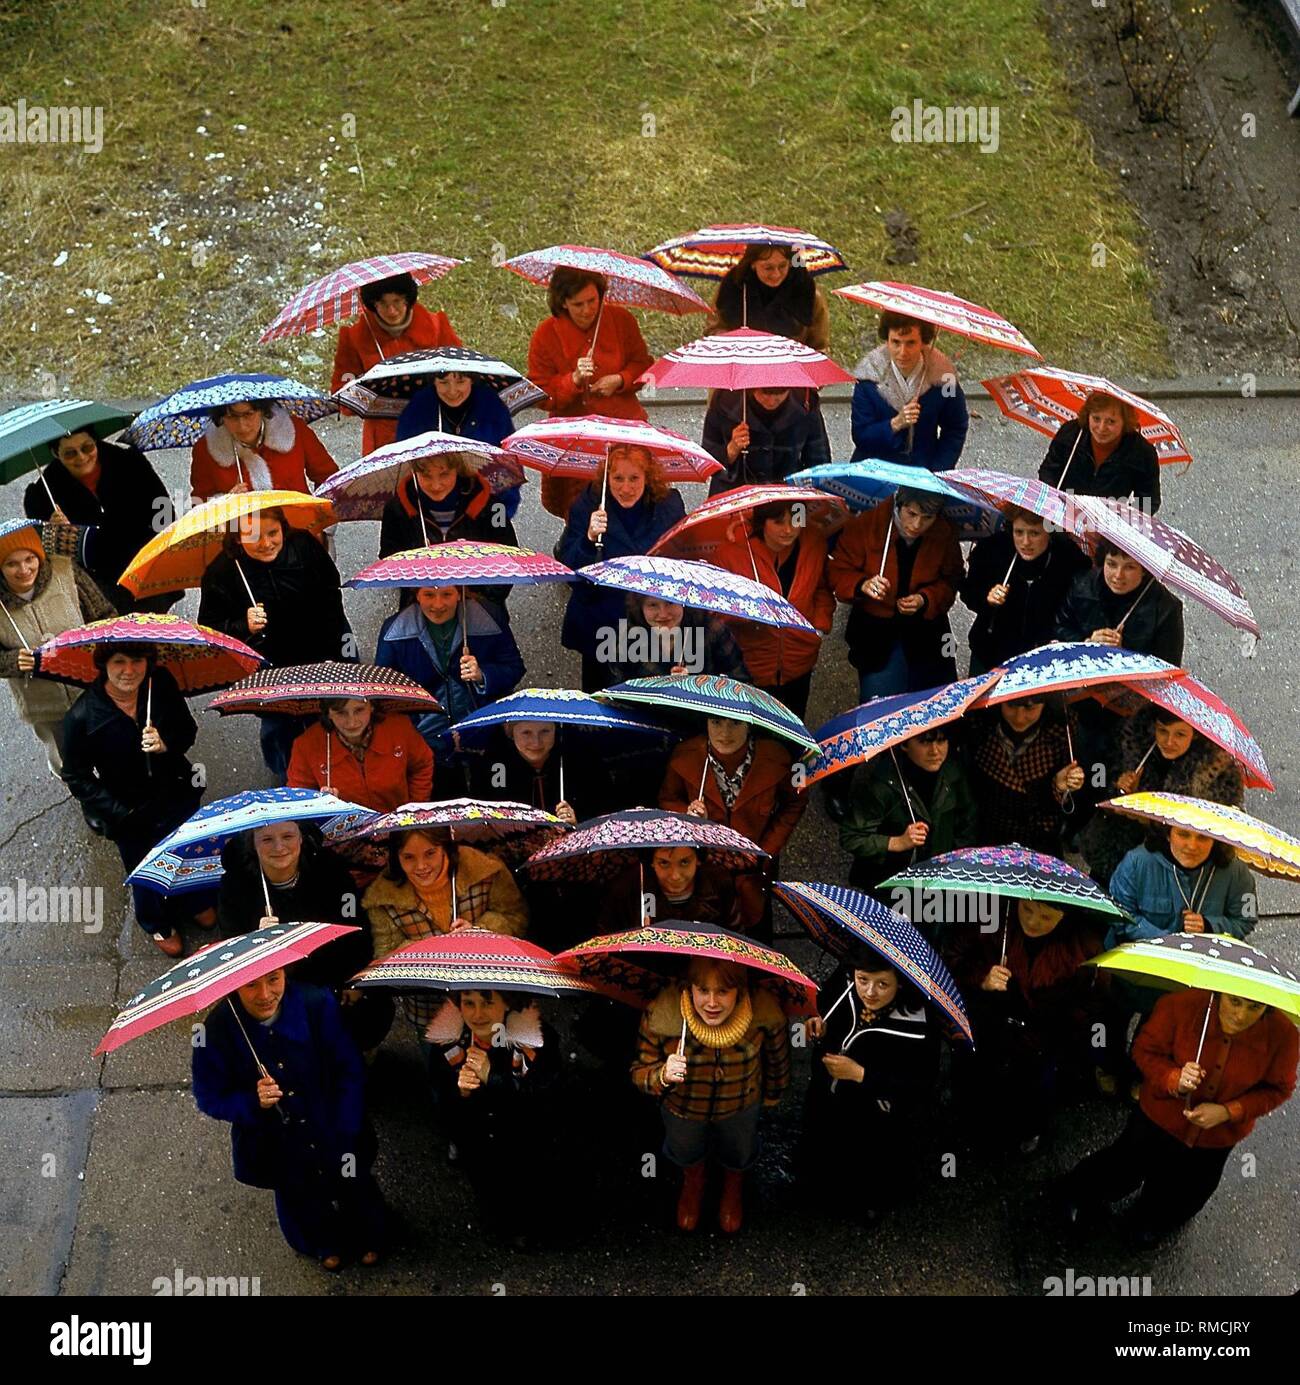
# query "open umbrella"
(1169, 556)
(1082, 669)
(1044, 398)
(190, 857)
(945, 310)
(865, 484)
(1208, 961)
(362, 489)
(182, 553)
(710, 252)
(1263, 848)
(594, 851)
(199, 659)
(512, 830)
(699, 586)
(337, 295)
(860, 735)
(561, 706)
(712, 695)
(577, 446)
(634, 282)
(179, 419)
(635, 965)
(744, 359)
(842, 920)
(386, 388)
(1007, 492)
(215, 972)
(473, 959)
(302, 689)
(27, 431)
(1012, 872)
(725, 519)
(463, 562)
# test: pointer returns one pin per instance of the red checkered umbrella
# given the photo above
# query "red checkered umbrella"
(1044, 398)
(945, 310)
(709, 253)
(337, 295)
(746, 360)
(634, 282)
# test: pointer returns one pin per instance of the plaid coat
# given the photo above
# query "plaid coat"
(719, 1082)
(1016, 798)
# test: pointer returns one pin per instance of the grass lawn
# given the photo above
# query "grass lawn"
(227, 181)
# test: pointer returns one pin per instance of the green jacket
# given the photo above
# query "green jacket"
(878, 810)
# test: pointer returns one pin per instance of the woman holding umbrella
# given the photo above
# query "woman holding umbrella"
(669, 882)
(658, 637)
(588, 356)
(1119, 603)
(41, 595)
(627, 509)
(526, 763)
(256, 445)
(392, 321)
(124, 761)
(444, 499)
(1103, 453)
(277, 588)
(746, 782)
(762, 436)
(365, 753)
(460, 404)
(790, 559)
(768, 291)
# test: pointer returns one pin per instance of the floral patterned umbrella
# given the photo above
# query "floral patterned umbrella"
(386, 388)
(1083, 669)
(576, 447)
(843, 920)
(1013, 872)
(709, 253)
(725, 518)
(513, 830)
(637, 964)
(199, 659)
(180, 418)
(302, 689)
(945, 310)
(461, 563)
(634, 282)
(595, 850)
(700, 586)
(473, 959)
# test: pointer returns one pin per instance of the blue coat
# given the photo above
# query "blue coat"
(406, 644)
(939, 433)
(630, 532)
(482, 417)
(1146, 886)
(316, 1065)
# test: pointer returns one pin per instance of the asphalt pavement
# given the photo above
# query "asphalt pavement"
(114, 1180)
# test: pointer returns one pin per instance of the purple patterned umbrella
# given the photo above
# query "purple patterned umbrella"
(595, 850)
(701, 586)
(634, 282)
(462, 563)
(513, 830)
(1008, 492)
(302, 689)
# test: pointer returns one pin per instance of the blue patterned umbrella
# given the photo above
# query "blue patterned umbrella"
(190, 858)
(713, 695)
(27, 431)
(700, 586)
(179, 420)
(1097, 670)
(858, 736)
(563, 706)
(841, 919)
(866, 484)
(1013, 872)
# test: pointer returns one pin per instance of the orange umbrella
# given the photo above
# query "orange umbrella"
(180, 555)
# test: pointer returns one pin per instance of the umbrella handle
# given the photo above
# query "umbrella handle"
(455, 907)
(261, 1067)
(148, 702)
(1007, 578)
(1006, 928)
(884, 552)
(1134, 606)
(243, 577)
(705, 776)
(591, 350)
(561, 798)
(48, 491)
(604, 491)
(14, 623)
(847, 992)
(1144, 759)
(419, 509)
(464, 624)
(907, 797)
(1065, 470)
(1204, 1030)
(329, 778)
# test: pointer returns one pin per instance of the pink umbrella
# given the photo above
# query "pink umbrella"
(577, 446)
(745, 360)
(1044, 398)
(634, 282)
(337, 295)
(945, 310)
(709, 253)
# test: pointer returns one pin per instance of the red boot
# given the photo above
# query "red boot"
(731, 1213)
(692, 1194)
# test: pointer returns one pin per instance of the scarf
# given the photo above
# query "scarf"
(897, 389)
(277, 436)
(724, 1035)
(729, 785)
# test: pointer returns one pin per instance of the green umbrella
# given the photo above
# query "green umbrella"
(27, 431)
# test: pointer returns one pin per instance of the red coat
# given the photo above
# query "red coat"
(306, 457)
(554, 351)
(1250, 1073)
(773, 656)
(936, 570)
(364, 343)
(397, 767)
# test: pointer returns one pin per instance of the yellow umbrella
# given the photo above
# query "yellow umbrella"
(179, 556)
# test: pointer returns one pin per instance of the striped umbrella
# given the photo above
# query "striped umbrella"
(182, 553)
(1169, 556)
(945, 310)
(180, 418)
(386, 388)
(199, 659)
(865, 484)
(337, 295)
(744, 360)
(712, 695)
(577, 446)
(27, 431)
(463, 562)
(215, 972)
(302, 689)
(885, 722)
(362, 489)
(473, 959)
(710, 252)
(634, 282)
(1262, 847)
(699, 586)
(725, 518)
(1044, 398)
(559, 706)
(595, 850)
(1011, 871)
(843, 920)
